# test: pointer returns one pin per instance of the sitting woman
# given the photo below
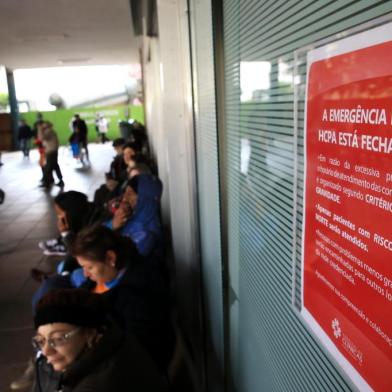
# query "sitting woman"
(74, 212)
(138, 295)
(138, 216)
(83, 350)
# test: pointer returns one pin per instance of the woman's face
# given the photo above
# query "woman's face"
(97, 271)
(128, 154)
(130, 197)
(66, 349)
(62, 222)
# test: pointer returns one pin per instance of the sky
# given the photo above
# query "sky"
(73, 84)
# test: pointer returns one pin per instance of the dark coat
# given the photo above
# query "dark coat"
(25, 132)
(80, 126)
(118, 169)
(112, 365)
(140, 304)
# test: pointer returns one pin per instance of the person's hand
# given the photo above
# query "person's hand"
(120, 217)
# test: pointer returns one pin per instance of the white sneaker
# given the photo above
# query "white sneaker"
(48, 243)
(56, 250)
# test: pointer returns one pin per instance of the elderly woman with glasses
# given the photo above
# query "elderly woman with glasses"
(79, 349)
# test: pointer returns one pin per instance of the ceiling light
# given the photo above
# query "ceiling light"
(73, 60)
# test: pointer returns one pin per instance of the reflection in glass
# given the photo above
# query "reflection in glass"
(245, 155)
(255, 80)
(285, 74)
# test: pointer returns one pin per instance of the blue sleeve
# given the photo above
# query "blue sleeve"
(143, 238)
(144, 241)
(77, 277)
(108, 224)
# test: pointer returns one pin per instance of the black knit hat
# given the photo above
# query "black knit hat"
(72, 306)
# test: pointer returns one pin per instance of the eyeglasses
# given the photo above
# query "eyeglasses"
(39, 342)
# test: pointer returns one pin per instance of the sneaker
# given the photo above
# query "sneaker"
(49, 243)
(56, 250)
(26, 380)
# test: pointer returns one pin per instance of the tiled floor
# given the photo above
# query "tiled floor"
(27, 217)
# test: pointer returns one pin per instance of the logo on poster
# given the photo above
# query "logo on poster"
(336, 328)
(352, 349)
(348, 344)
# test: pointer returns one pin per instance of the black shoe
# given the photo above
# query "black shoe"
(46, 184)
(60, 184)
(38, 275)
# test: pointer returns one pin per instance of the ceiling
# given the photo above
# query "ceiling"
(52, 33)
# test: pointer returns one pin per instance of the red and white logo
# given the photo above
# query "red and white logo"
(337, 331)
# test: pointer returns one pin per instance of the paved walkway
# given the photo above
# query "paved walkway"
(27, 217)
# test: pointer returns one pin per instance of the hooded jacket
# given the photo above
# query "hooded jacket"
(144, 226)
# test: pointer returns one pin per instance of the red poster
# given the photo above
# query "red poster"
(347, 237)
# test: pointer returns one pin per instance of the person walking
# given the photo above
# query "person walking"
(51, 144)
(103, 127)
(80, 127)
(37, 132)
(24, 136)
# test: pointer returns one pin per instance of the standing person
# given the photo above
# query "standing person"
(103, 128)
(97, 115)
(38, 126)
(80, 127)
(51, 144)
(24, 136)
(39, 119)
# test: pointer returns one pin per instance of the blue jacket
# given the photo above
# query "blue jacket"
(144, 226)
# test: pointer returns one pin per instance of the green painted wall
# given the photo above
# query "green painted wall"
(61, 118)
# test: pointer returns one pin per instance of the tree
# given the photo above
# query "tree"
(3, 101)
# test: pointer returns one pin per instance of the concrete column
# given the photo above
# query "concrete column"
(13, 106)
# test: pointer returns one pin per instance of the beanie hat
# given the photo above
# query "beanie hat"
(79, 316)
(72, 306)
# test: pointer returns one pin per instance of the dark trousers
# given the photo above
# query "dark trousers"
(51, 165)
(25, 146)
(83, 142)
